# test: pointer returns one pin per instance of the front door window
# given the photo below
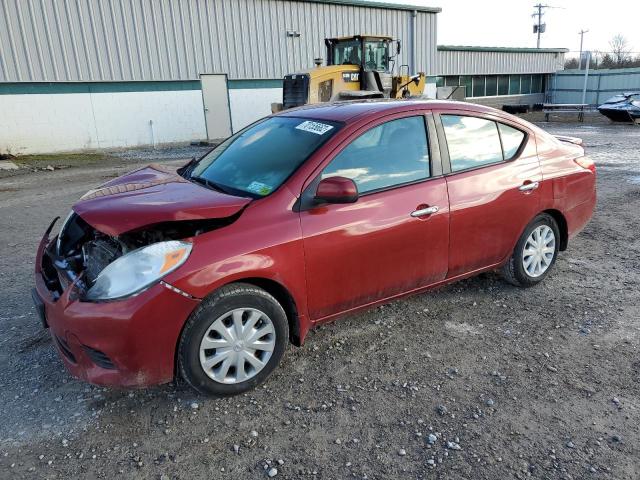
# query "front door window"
(390, 154)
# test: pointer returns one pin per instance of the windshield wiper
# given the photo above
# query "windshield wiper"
(185, 170)
(209, 184)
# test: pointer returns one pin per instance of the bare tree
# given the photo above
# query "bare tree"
(620, 50)
(570, 63)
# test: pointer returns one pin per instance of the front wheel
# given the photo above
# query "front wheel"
(535, 253)
(233, 341)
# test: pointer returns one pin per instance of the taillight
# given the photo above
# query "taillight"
(586, 163)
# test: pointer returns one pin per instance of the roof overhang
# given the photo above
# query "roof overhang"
(466, 48)
(371, 4)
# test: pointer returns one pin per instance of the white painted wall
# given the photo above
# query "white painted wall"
(41, 123)
(248, 105)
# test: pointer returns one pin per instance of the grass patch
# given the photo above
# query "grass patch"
(62, 159)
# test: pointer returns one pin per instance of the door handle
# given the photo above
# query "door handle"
(527, 187)
(424, 211)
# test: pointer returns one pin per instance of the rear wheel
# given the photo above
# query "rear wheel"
(233, 341)
(535, 253)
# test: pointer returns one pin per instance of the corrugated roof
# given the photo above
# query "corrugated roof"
(467, 48)
(371, 4)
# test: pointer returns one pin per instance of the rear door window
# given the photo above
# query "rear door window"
(472, 141)
(390, 154)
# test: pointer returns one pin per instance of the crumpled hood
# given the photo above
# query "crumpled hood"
(149, 196)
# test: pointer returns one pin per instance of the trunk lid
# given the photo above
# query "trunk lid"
(150, 196)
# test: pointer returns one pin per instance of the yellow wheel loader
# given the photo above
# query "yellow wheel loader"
(358, 67)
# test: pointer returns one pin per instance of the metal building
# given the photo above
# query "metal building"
(71, 67)
(497, 75)
(86, 74)
(133, 40)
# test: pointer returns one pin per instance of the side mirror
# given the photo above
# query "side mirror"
(397, 47)
(337, 190)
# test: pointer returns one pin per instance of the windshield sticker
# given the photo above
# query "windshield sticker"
(259, 188)
(314, 127)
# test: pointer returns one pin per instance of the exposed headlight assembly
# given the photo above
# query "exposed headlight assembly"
(137, 270)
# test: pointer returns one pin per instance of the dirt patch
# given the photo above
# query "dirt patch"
(60, 160)
(103, 159)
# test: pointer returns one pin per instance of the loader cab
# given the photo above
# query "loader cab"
(371, 54)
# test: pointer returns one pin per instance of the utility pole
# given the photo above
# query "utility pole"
(581, 32)
(539, 27)
(586, 77)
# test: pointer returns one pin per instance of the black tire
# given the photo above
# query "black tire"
(513, 271)
(227, 298)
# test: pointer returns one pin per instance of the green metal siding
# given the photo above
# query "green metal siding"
(49, 88)
(26, 88)
(253, 83)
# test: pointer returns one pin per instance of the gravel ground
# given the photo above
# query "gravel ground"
(478, 380)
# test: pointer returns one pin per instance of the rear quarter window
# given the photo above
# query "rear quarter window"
(512, 139)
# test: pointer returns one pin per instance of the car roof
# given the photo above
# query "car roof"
(348, 111)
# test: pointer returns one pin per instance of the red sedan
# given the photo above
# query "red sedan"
(208, 272)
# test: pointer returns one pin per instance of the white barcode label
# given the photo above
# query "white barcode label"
(314, 127)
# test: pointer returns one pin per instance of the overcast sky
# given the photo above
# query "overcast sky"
(508, 23)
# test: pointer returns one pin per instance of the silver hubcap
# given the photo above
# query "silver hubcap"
(237, 345)
(539, 250)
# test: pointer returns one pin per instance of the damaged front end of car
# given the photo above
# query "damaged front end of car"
(105, 267)
(101, 285)
(130, 232)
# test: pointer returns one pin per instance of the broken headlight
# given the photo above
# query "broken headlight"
(137, 270)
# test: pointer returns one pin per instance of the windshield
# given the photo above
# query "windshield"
(257, 160)
(347, 52)
(376, 55)
(616, 99)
